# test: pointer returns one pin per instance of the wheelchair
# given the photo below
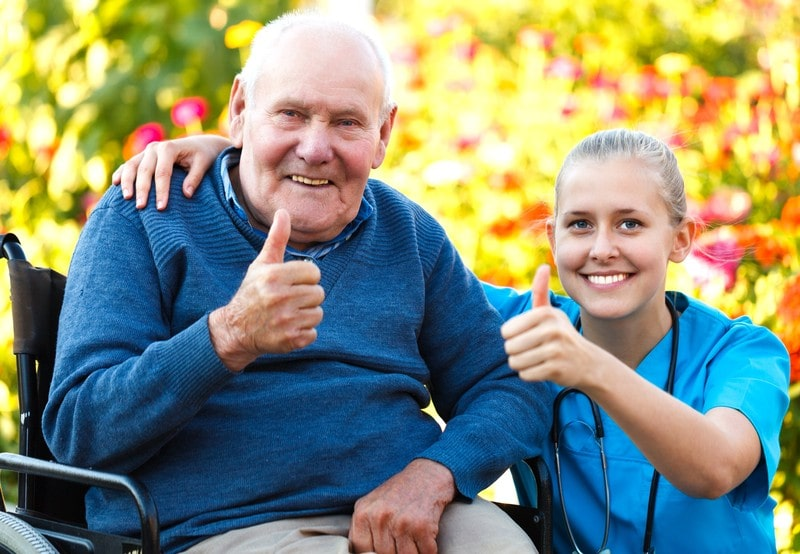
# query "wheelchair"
(49, 515)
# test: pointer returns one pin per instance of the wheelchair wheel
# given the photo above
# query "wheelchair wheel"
(18, 537)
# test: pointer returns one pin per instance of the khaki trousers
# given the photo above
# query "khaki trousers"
(476, 528)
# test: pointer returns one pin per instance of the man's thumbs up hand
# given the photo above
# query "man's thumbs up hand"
(277, 307)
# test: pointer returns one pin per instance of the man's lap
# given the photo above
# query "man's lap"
(466, 528)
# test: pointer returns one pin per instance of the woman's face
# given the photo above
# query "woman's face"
(612, 238)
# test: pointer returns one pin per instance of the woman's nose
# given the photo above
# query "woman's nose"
(604, 245)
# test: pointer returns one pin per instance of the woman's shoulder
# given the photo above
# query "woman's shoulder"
(707, 324)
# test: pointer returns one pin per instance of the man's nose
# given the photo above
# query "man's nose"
(315, 145)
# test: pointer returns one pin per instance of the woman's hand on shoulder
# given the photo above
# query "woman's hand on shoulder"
(195, 153)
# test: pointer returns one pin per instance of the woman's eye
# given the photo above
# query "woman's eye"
(630, 224)
(579, 224)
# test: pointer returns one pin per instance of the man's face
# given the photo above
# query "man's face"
(311, 133)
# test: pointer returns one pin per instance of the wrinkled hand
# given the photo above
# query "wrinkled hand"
(402, 515)
(542, 344)
(194, 153)
(277, 306)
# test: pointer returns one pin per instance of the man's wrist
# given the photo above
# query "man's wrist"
(224, 343)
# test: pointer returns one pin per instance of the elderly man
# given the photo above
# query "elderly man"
(264, 364)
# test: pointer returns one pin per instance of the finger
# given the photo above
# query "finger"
(516, 325)
(162, 177)
(278, 238)
(122, 177)
(541, 286)
(192, 180)
(360, 535)
(144, 175)
(125, 176)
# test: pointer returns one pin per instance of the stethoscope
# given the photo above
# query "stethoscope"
(599, 434)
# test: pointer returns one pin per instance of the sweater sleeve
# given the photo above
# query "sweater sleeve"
(118, 356)
(493, 418)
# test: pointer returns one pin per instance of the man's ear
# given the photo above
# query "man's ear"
(236, 109)
(386, 133)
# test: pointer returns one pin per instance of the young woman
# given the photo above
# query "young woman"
(690, 403)
(666, 425)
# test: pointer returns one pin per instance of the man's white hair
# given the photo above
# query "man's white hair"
(271, 32)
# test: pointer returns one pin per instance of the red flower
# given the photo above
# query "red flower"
(789, 313)
(720, 89)
(141, 137)
(6, 139)
(189, 111)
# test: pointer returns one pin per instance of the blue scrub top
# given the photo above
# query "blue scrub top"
(721, 362)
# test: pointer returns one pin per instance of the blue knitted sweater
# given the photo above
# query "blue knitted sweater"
(139, 389)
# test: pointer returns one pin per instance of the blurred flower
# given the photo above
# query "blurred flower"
(673, 64)
(141, 137)
(790, 214)
(726, 205)
(241, 34)
(652, 85)
(6, 139)
(564, 67)
(189, 113)
(789, 314)
(446, 172)
(717, 256)
(530, 37)
(719, 90)
(585, 43)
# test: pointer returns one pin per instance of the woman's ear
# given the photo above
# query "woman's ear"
(685, 234)
(550, 229)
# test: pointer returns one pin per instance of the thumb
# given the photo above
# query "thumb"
(278, 238)
(541, 286)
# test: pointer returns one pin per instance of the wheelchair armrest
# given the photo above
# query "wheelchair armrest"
(148, 514)
(534, 489)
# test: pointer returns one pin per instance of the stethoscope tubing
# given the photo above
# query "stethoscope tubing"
(599, 434)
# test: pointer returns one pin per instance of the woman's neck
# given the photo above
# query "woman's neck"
(629, 339)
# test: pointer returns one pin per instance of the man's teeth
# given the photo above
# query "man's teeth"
(307, 181)
(607, 279)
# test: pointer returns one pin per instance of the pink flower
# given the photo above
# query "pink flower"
(564, 67)
(726, 205)
(718, 257)
(141, 137)
(189, 111)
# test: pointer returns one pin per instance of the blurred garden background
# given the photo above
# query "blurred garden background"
(492, 95)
